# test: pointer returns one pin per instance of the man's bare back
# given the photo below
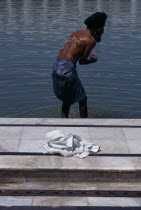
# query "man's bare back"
(78, 47)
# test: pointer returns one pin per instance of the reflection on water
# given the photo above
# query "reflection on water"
(31, 34)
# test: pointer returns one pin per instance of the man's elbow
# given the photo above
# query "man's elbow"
(83, 62)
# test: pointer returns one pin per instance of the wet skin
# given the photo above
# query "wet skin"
(79, 45)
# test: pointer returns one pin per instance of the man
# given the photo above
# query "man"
(67, 86)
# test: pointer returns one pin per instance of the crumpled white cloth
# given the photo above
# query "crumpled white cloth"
(67, 144)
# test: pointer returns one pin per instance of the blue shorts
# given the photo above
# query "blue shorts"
(66, 84)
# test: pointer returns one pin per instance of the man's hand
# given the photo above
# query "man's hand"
(93, 58)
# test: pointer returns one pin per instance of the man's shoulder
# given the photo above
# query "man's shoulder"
(84, 37)
(90, 40)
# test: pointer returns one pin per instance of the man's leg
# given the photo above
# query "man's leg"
(83, 108)
(65, 110)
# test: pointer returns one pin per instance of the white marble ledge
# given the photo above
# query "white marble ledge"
(90, 163)
(71, 121)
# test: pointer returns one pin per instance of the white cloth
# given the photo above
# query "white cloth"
(67, 144)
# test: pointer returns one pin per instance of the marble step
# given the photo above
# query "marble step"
(90, 168)
(44, 183)
(51, 175)
(24, 202)
(70, 121)
(43, 186)
(63, 189)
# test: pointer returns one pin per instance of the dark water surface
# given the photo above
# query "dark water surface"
(31, 34)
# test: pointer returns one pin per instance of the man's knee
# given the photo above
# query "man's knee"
(67, 105)
(83, 101)
(83, 108)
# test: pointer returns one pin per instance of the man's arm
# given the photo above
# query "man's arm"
(83, 59)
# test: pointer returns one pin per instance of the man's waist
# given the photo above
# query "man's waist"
(67, 60)
(64, 76)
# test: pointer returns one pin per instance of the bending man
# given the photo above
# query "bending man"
(66, 83)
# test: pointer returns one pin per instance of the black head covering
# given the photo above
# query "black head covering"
(96, 20)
